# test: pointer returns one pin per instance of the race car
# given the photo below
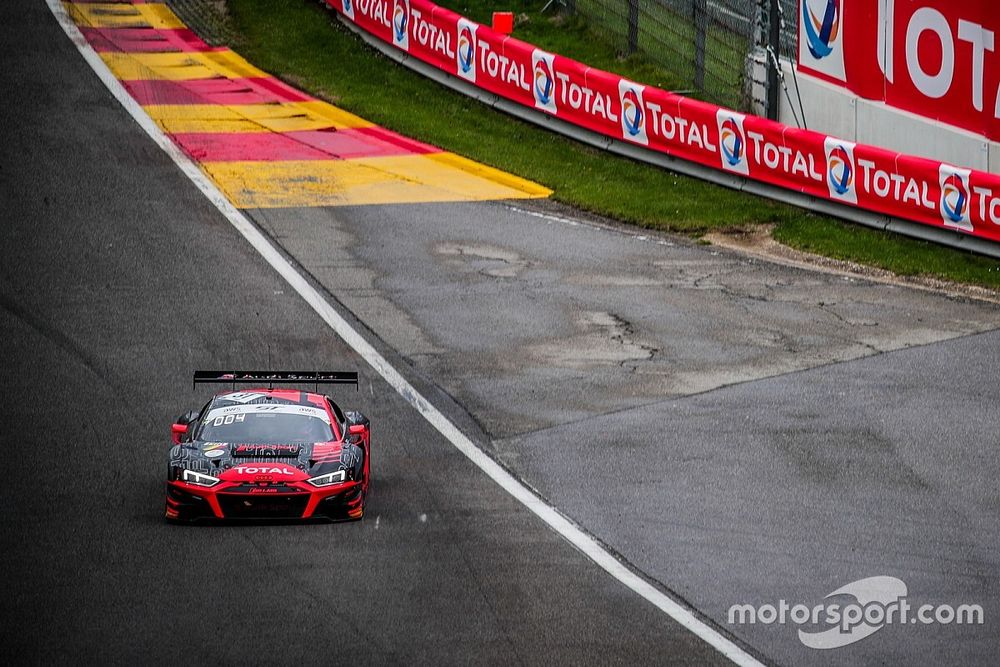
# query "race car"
(269, 453)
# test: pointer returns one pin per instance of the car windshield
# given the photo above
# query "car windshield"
(266, 424)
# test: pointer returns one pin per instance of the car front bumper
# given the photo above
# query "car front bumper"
(232, 501)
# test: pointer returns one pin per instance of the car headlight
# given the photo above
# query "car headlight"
(198, 478)
(329, 478)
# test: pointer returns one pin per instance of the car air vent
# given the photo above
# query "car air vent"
(268, 459)
(265, 451)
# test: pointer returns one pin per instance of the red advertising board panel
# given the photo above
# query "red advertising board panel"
(936, 58)
(857, 175)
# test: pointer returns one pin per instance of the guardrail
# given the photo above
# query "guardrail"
(914, 196)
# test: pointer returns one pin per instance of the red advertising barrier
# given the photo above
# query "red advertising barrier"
(866, 177)
(936, 58)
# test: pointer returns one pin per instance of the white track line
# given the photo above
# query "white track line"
(559, 523)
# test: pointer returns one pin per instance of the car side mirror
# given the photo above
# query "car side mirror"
(356, 429)
(179, 429)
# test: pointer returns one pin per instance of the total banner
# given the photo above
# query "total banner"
(935, 58)
(857, 175)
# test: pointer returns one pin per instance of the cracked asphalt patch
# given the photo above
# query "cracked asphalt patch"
(529, 322)
(605, 338)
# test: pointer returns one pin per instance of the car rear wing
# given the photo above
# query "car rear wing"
(272, 378)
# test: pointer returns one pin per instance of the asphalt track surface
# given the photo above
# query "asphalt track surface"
(119, 278)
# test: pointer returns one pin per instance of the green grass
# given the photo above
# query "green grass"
(300, 41)
(903, 256)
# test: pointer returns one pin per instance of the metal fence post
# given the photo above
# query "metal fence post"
(774, 46)
(700, 17)
(633, 26)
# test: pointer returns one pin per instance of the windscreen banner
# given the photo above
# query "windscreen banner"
(857, 175)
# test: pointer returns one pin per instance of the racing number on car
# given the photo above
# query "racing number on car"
(228, 419)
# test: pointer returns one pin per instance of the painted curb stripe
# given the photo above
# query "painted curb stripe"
(181, 66)
(359, 181)
(223, 92)
(281, 117)
(144, 40)
(122, 15)
(226, 113)
(344, 144)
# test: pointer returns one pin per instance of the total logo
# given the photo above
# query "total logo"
(823, 29)
(465, 55)
(821, 36)
(840, 170)
(250, 470)
(954, 204)
(840, 173)
(543, 85)
(732, 141)
(262, 472)
(633, 114)
(400, 23)
(376, 11)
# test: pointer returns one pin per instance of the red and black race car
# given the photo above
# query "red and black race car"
(267, 453)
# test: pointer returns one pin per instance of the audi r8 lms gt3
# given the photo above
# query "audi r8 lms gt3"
(267, 453)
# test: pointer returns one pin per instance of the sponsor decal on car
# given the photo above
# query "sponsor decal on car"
(255, 470)
(266, 450)
(243, 397)
(240, 412)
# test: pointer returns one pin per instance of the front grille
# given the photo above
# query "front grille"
(263, 506)
(247, 460)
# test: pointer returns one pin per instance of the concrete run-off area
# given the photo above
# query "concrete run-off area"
(532, 320)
